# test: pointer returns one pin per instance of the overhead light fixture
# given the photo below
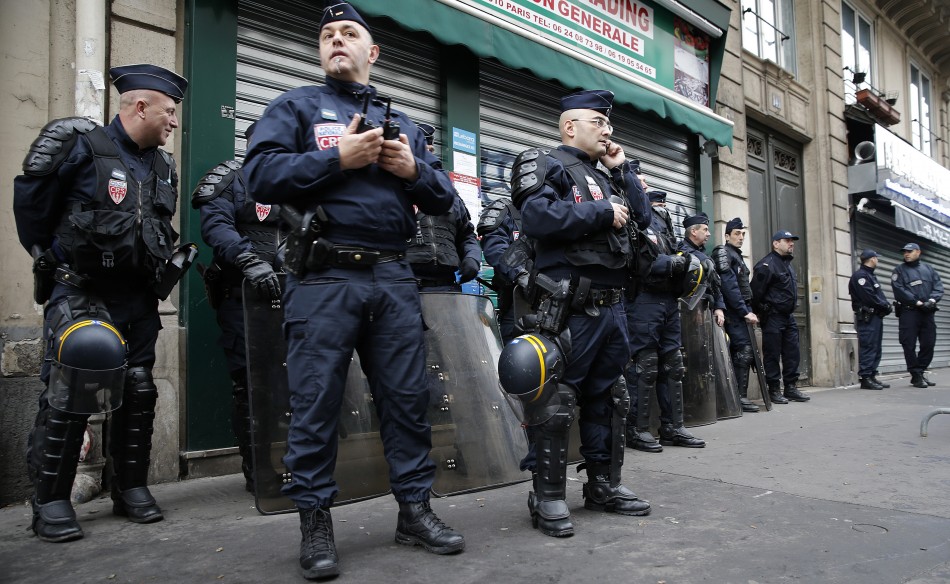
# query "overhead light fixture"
(710, 148)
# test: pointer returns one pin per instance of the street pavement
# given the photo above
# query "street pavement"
(842, 489)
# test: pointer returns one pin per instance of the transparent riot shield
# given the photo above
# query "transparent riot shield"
(763, 387)
(699, 385)
(727, 393)
(477, 440)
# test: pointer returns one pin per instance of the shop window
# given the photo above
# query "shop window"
(768, 31)
(856, 52)
(920, 123)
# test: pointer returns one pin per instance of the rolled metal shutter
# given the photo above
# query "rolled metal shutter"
(886, 239)
(278, 50)
(519, 111)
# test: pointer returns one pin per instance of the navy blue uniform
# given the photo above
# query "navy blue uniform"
(599, 344)
(775, 296)
(443, 245)
(914, 282)
(496, 237)
(870, 306)
(333, 310)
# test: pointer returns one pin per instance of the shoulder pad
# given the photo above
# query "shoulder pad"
(53, 145)
(492, 217)
(214, 183)
(527, 174)
(721, 257)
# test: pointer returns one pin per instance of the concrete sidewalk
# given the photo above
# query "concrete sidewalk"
(839, 489)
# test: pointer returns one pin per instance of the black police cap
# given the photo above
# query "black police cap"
(733, 224)
(657, 196)
(698, 219)
(342, 11)
(599, 100)
(145, 76)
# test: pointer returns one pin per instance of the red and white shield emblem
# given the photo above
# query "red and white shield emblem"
(328, 135)
(262, 211)
(117, 190)
(578, 197)
(515, 235)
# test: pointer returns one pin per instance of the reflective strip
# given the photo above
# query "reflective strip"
(540, 349)
(80, 324)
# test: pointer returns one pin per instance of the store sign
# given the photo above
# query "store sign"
(912, 177)
(920, 226)
(629, 35)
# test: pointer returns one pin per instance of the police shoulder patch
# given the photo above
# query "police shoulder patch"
(861, 281)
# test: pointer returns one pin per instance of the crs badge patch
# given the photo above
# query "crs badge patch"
(328, 135)
(578, 197)
(117, 190)
(262, 211)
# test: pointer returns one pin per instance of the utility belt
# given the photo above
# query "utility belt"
(554, 301)
(864, 314)
(427, 283)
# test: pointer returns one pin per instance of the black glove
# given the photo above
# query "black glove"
(260, 274)
(930, 305)
(468, 270)
(678, 264)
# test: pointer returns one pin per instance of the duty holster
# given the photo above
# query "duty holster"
(551, 301)
(305, 249)
(213, 280)
(865, 313)
(44, 265)
(175, 269)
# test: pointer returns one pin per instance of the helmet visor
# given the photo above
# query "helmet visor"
(84, 391)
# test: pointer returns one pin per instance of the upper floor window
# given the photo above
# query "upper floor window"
(920, 122)
(768, 30)
(856, 46)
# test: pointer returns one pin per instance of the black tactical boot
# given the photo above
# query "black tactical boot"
(748, 406)
(602, 494)
(419, 525)
(775, 394)
(869, 383)
(642, 440)
(792, 393)
(549, 512)
(55, 521)
(137, 504)
(318, 557)
(879, 382)
(678, 436)
(927, 380)
(917, 380)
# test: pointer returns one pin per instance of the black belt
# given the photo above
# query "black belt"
(424, 283)
(607, 297)
(348, 256)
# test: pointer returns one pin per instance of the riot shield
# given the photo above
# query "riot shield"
(727, 393)
(699, 385)
(477, 442)
(759, 371)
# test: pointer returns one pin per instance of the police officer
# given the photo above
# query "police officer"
(509, 254)
(244, 236)
(737, 295)
(353, 288)
(444, 253)
(582, 251)
(870, 307)
(81, 182)
(917, 290)
(774, 298)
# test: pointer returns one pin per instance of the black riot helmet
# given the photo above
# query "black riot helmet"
(529, 369)
(88, 367)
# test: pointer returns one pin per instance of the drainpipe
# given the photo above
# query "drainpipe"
(90, 89)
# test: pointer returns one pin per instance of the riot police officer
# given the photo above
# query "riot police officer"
(349, 285)
(870, 307)
(577, 215)
(737, 295)
(98, 202)
(774, 298)
(444, 253)
(509, 254)
(917, 290)
(245, 236)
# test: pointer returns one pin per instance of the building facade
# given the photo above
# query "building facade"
(750, 109)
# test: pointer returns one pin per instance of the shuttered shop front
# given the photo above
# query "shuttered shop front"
(519, 111)
(278, 50)
(886, 239)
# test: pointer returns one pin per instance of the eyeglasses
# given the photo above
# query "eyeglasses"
(601, 123)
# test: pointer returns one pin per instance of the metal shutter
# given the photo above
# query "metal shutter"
(886, 239)
(518, 111)
(278, 50)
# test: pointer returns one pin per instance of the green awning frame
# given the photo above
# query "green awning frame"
(452, 26)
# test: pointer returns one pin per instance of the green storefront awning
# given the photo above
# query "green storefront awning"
(452, 26)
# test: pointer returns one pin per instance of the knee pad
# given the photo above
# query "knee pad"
(563, 415)
(744, 356)
(672, 364)
(646, 365)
